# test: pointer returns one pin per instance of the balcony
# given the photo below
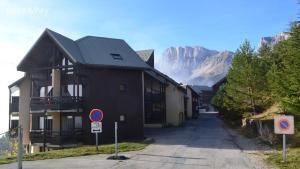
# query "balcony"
(55, 103)
(155, 97)
(56, 137)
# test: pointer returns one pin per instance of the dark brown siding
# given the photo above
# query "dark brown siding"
(103, 92)
(155, 101)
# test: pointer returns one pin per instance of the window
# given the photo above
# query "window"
(41, 124)
(122, 87)
(78, 122)
(35, 122)
(49, 123)
(42, 92)
(116, 56)
(70, 71)
(67, 123)
(66, 62)
(70, 90)
(49, 90)
(122, 118)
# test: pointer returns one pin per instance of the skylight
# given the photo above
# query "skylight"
(116, 56)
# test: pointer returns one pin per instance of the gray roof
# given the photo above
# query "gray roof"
(147, 56)
(14, 86)
(193, 89)
(96, 51)
(167, 78)
(156, 76)
(199, 89)
(68, 45)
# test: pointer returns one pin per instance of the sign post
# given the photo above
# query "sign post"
(116, 139)
(96, 115)
(20, 147)
(116, 156)
(284, 125)
(283, 148)
(97, 142)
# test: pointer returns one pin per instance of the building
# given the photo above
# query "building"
(217, 85)
(192, 101)
(206, 94)
(154, 92)
(65, 79)
(171, 108)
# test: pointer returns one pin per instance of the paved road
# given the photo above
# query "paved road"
(200, 144)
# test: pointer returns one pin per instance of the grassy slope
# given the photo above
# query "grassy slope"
(78, 151)
(292, 162)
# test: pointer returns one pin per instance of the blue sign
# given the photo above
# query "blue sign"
(284, 124)
(96, 115)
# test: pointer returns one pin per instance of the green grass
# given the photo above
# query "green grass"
(78, 151)
(292, 161)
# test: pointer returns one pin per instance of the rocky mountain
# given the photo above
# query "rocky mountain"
(195, 65)
(271, 41)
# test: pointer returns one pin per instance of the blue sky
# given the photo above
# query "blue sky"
(156, 24)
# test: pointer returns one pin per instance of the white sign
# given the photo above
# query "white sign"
(284, 124)
(96, 127)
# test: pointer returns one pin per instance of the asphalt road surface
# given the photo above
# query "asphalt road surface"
(204, 143)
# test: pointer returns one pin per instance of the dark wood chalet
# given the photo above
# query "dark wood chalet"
(69, 78)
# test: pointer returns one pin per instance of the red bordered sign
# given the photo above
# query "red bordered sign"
(96, 115)
(284, 124)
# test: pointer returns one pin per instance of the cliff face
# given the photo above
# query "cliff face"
(195, 65)
(271, 41)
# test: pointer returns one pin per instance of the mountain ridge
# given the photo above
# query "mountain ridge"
(195, 65)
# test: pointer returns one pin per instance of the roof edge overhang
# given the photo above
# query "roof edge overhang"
(45, 32)
(190, 87)
(16, 83)
(164, 81)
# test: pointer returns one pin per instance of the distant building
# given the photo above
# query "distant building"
(206, 94)
(192, 101)
(217, 85)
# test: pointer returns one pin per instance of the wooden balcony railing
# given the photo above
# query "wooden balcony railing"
(55, 103)
(154, 96)
(56, 137)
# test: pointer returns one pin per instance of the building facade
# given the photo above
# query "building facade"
(65, 79)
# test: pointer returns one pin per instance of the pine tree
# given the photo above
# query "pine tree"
(247, 81)
(284, 75)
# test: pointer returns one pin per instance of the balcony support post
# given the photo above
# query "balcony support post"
(77, 79)
(9, 113)
(44, 132)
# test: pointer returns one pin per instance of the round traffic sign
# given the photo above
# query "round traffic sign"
(96, 115)
(284, 124)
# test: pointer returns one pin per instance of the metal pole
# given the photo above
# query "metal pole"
(116, 139)
(284, 147)
(97, 141)
(20, 147)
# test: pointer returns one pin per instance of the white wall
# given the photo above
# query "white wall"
(174, 105)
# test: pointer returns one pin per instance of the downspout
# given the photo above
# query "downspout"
(143, 97)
